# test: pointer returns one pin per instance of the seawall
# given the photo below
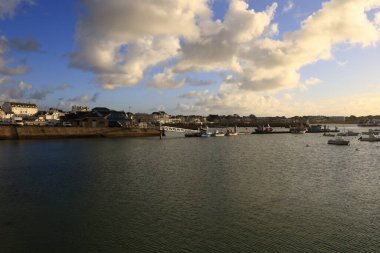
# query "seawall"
(45, 132)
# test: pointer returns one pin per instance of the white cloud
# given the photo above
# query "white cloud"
(231, 99)
(218, 47)
(310, 82)
(12, 91)
(195, 94)
(159, 108)
(288, 7)
(165, 79)
(120, 41)
(288, 96)
(377, 18)
(272, 64)
(313, 81)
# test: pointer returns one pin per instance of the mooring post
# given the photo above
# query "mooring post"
(160, 131)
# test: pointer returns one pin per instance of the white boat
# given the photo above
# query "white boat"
(218, 134)
(338, 141)
(349, 133)
(374, 131)
(370, 138)
(232, 132)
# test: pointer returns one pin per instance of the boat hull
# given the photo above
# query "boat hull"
(338, 142)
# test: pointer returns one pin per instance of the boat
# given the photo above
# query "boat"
(374, 131)
(231, 133)
(202, 132)
(370, 138)
(297, 129)
(328, 134)
(218, 134)
(315, 129)
(319, 129)
(338, 141)
(263, 129)
(349, 133)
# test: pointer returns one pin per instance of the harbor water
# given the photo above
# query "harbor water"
(248, 193)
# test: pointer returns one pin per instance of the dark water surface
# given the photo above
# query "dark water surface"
(254, 193)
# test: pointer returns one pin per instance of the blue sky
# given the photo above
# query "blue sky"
(267, 58)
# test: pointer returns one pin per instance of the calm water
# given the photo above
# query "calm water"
(253, 193)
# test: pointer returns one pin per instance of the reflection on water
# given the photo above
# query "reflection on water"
(253, 193)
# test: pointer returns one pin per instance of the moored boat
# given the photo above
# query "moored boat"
(263, 129)
(231, 133)
(349, 133)
(218, 134)
(297, 129)
(370, 138)
(202, 132)
(338, 141)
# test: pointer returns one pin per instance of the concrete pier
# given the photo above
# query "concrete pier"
(45, 132)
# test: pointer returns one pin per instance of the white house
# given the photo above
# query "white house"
(20, 109)
(2, 114)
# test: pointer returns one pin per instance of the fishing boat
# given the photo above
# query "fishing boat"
(315, 129)
(349, 133)
(263, 129)
(202, 132)
(297, 129)
(374, 131)
(338, 141)
(231, 133)
(370, 138)
(218, 134)
(320, 129)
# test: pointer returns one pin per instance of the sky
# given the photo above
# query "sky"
(261, 57)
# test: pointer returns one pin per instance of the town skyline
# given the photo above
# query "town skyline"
(267, 58)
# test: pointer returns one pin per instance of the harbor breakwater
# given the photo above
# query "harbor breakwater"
(45, 132)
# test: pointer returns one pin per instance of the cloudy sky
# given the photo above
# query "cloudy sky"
(262, 57)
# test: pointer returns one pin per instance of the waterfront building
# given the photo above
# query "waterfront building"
(114, 118)
(20, 109)
(161, 117)
(2, 114)
(85, 119)
(143, 117)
